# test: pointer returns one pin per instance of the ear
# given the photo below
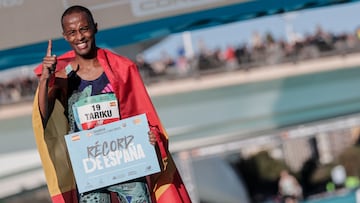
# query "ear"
(65, 37)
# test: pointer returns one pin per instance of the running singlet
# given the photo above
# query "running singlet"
(91, 103)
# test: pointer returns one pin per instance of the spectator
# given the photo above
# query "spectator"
(289, 188)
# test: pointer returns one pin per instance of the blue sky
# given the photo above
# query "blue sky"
(336, 19)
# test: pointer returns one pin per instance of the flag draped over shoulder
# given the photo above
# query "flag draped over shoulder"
(166, 186)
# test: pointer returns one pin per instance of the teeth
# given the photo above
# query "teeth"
(82, 45)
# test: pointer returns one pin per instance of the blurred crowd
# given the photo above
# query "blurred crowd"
(17, 90)
(259, 51)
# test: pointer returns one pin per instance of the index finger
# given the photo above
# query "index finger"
(49, 48)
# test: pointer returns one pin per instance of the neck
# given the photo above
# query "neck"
(89, 56)
(85, 61)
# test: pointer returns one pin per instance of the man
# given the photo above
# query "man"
(84, 72)
(289, 188)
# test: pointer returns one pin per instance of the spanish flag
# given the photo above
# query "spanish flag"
(166, 186)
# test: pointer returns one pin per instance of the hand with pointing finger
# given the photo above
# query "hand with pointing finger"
(49, 63)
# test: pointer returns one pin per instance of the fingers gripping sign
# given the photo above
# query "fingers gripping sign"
(152, 137)
(49, 62)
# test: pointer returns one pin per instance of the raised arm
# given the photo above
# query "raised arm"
(47, 97)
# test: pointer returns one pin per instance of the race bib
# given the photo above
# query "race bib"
(96, 110)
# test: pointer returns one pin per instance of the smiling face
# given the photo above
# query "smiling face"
(79, 31)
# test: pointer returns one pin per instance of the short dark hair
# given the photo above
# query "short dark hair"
(77, 9)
